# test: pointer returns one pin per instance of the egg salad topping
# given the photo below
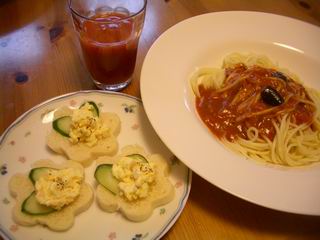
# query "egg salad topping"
(135, 178)
(59, 188)
(86, 127)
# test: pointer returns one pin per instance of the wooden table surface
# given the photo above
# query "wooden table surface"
(39, 59)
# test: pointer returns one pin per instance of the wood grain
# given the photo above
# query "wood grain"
(40, 58)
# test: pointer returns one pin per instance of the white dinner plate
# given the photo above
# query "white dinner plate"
(169, 103)
(24, 142)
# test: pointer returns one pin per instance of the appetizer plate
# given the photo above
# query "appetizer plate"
(169, 102)
(24, 142)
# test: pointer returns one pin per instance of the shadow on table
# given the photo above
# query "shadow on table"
(244, 215)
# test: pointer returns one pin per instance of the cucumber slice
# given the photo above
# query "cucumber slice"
(62, 125)
(31, 206)
(36, 173)
(103, 175)
(138, 157)
(95, 109)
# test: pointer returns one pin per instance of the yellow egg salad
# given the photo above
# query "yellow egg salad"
(86, 127)
(135, 178)
(59, 188)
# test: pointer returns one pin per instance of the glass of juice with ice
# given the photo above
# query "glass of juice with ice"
(109, 32)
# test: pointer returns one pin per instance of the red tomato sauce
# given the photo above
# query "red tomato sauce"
(231, 112)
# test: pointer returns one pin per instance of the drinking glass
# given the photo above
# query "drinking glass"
(109, 32)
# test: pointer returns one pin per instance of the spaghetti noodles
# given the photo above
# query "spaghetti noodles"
(259, 110)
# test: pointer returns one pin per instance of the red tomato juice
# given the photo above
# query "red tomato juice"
(109, 47)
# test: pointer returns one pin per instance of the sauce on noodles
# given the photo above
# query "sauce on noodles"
(231, 110)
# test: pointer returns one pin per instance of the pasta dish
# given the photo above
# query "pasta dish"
(259, 110)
